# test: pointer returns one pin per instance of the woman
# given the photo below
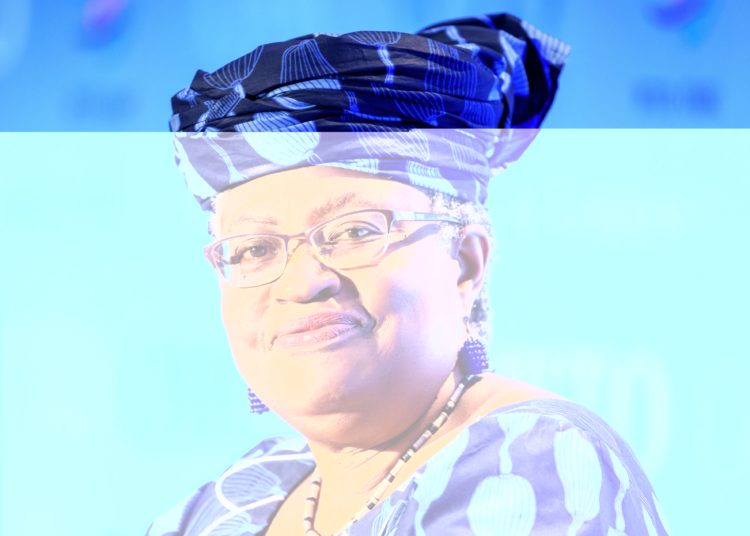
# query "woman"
(352, 249)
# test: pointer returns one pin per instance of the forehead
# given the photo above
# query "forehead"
(306, 196)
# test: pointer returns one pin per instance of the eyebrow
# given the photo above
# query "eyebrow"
(332, 205)
(254, 218)
(317, 214)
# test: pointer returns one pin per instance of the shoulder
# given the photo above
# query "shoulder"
(248, 492)
(549, 465)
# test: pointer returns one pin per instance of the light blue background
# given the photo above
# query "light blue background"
(620, 280)
(620, 283)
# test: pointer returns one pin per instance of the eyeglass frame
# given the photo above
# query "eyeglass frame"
(306, 237)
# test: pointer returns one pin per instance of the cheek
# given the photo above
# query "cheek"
(415, 297)
(242, 312)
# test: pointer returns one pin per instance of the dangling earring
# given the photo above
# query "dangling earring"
(256, 404)
(472, 357)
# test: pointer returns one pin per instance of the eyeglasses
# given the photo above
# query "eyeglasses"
(351, 240)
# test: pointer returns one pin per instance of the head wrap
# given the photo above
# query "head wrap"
(439, 109)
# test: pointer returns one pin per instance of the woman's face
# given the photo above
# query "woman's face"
(342, 342)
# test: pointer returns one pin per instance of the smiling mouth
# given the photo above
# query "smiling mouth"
(317, 329)
(326, 333)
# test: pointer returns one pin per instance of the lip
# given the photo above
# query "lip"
(316, 328)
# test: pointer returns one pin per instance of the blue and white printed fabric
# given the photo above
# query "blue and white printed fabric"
(492, 72)
(538, 468)
(451, 162)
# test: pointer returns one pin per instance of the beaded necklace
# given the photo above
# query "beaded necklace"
(311, 503)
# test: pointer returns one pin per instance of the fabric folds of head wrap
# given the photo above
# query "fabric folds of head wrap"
(444, 108)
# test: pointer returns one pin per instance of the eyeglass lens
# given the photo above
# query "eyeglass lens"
(349, 241)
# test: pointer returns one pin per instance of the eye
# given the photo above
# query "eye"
(254, 251)
(352, 233)
(357, 232)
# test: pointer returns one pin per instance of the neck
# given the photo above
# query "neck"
(354, 472)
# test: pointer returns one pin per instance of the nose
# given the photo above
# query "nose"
(305, 279)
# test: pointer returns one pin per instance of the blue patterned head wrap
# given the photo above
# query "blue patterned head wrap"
(443, 109)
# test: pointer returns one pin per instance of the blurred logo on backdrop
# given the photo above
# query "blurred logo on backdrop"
(103, 21)
(106, 37)
(692, 97)
(675, 12)
(15, 22)
(690, 18)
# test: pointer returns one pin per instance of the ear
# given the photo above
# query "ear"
(473, 253)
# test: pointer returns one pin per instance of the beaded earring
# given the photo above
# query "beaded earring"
(256, 404)
(473, 357)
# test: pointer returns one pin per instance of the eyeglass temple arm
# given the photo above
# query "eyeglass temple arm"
(423, 216)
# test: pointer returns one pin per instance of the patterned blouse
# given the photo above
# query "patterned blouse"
(541, 467)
